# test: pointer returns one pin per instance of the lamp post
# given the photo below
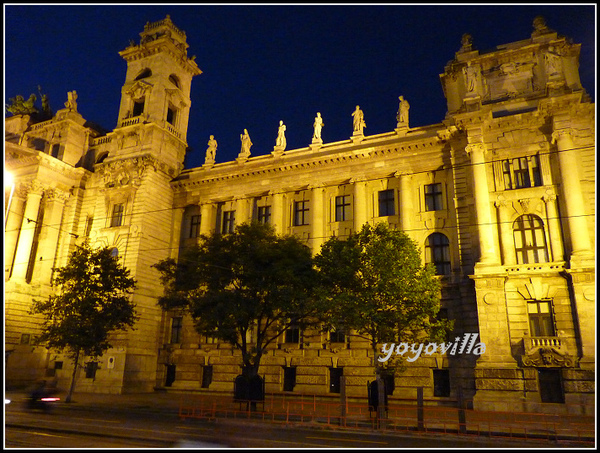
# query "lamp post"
(8, 182)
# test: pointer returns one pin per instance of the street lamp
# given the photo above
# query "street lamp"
(8, 182)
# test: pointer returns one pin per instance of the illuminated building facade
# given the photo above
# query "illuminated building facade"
(500, 196)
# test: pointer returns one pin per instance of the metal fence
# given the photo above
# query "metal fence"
(399, 417)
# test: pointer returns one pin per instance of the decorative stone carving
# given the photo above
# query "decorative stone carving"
(124, 172)
(548, 357)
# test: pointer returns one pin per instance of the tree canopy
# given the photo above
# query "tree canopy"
(92, 300)
(377, 286)
(245, 288)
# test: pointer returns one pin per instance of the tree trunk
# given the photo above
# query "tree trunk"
(72, 387)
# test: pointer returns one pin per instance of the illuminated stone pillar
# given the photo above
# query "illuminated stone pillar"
(207, 221)
(572, 193)
(507, 242)
(407, 210)
(28, 225)
(360, 203)
(49, 235)
(317, 222)
(241, 211)
(553, 228)
(487, 245)
(277, 210)
(11, 230)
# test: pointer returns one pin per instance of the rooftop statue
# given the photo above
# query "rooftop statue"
(318, 125)
(71, 103)
(246, 144)
(20, 106)
(359, 121)
(402, 115)
(211, 151)
(281, 141)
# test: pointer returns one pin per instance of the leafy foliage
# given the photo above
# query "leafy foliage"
(377, 286)
(93, 300)
(245, 288)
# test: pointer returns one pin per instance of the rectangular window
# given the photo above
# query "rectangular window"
(264, 214)
(138, 107)
(433, 197)
(56, 151)
(521, 172)
(386, 203)
(176, 329)
(289, 378)
(550, 385)
(292, 334)
(300, 213)
(337, 336)
(441, 382)
(540, 318)
(117, 215)
(207, 374)
(171, 115)
(228, 225)
(342, 208)
(90, 370)
(195, 226)
(335, 379)
(88, 226)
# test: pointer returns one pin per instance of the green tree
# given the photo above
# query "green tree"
(245, 288)
(376, 286)
(92, 301)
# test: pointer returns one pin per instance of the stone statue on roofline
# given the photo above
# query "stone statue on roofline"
(358, 121)
(318, 125)
(20, 106)
(211, 152)
(71, 103)
(246, 144)
(402, 115)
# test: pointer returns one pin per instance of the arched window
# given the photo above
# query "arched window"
(530, 240)
(437, 251)
(174, 80)
(144, 74)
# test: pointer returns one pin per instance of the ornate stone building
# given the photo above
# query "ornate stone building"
(500, 196)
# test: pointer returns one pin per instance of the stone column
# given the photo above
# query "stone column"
(487, 245)
(241, 211)
(11, 230)
(407, 210)
(552, 220)
(360, 202)
(176, 233)
(207, 221)
(277, 211)
(28, 225)
(317, 223)
(507, 244)
(571, 188)
(49, 235)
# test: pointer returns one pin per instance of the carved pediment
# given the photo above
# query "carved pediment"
(139, 89)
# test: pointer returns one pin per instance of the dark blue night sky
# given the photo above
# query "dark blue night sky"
(263, 64)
